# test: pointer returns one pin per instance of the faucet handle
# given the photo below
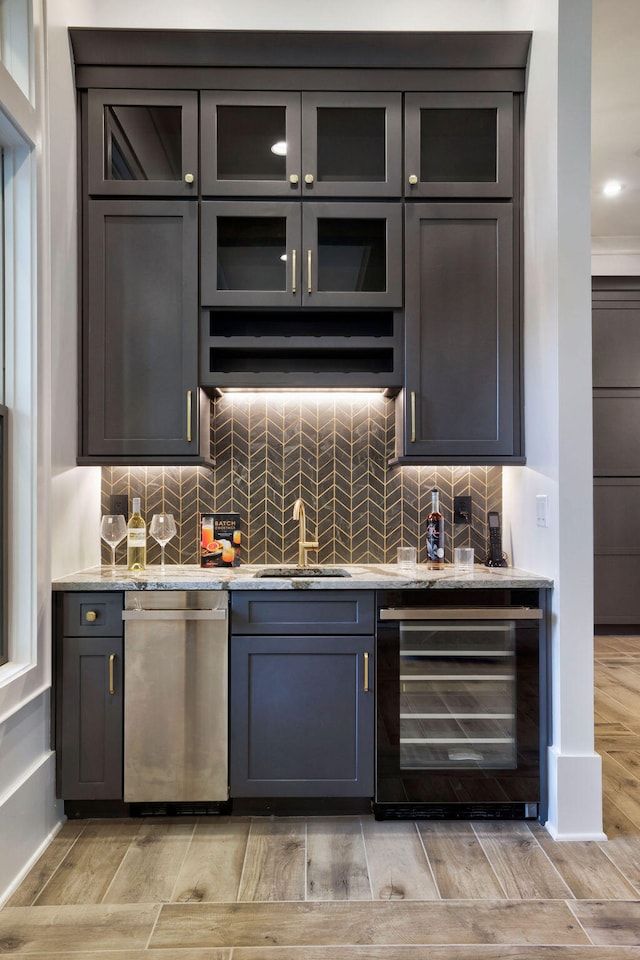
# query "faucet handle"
(303, 546)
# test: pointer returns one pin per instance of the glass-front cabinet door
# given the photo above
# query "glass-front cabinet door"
(142, 143)
(285, 144)
(250, 143)
(352, 255)
(250, 253)
(458, 145)
(278, 253)
(457, 690)
(351, 144)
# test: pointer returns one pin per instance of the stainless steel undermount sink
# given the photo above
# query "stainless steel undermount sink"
(286, 572)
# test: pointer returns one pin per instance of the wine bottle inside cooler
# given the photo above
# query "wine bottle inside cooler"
(136, 538)
(435, 533)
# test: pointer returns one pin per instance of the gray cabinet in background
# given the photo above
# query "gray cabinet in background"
(616, 450)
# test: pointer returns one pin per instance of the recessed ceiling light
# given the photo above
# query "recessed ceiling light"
(612, 188)
(279, 148)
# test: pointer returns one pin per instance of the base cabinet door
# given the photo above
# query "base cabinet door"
(461, 402)
(92, 718)
(302, 716)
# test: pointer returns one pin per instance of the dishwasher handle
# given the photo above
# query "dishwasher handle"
(460, 613)
(215, 614)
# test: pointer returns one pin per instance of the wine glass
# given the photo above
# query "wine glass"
(113, 530)
(162, 529)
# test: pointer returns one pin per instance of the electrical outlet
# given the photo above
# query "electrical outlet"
(119, 503)
(462, 509)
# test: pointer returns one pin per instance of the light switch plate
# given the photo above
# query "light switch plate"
(542, 510)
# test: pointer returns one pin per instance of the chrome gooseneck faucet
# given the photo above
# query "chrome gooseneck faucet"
(303, 543)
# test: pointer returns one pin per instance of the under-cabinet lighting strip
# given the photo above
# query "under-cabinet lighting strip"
(456, 653)
(458, 676)
(456, 739)
(457, 716)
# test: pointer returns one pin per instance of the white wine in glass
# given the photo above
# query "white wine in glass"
(162, 529)
(113, 530)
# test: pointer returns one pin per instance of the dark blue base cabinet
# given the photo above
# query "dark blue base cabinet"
(302, 704)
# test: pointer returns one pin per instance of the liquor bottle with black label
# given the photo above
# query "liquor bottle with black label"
(435, 533)
(136, 538)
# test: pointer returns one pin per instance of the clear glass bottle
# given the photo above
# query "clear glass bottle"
(435, 533)
(136, 538)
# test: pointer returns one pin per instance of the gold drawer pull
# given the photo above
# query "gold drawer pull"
(293, 271)
(112, 661)
(189, 405)
(91, 616)
(413, 417)
(366, 673)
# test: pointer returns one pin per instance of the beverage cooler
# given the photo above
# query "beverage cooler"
(461, 717)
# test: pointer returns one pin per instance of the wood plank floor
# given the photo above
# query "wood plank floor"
(350, 888)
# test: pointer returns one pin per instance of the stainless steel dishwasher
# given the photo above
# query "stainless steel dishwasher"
(176, 696)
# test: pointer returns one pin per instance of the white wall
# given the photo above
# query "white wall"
(75, 491)
(558, 397)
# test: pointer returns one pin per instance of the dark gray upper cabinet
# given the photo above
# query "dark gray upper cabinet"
(458, 145)
(142, 143)
(274, 253)
(289, 144)
(140, 400)
(300, 152)
(461, 397)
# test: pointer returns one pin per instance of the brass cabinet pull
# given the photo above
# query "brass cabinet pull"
(366, 673)
(413, 179)
(293, 178)
(112, 661)
(308, 271)
(308, 178)
(189, 405)
(293, 271)
(413, 416)
(189, 178)
(91, 616)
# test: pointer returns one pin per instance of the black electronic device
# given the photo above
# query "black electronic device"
(495, 557)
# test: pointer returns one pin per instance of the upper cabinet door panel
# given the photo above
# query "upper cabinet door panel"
(140, 329)
(351, 144)
(458, 145)
(142, 143)
(250, 143)
(250, 253)
(460, 361)
(352, 255)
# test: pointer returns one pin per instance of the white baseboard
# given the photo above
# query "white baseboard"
(30, 816)
(575, 796)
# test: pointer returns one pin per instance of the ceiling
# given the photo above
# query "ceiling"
(615, 118)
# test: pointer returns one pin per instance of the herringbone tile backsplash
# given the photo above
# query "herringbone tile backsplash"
(332, 451)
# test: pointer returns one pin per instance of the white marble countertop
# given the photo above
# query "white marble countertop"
(375, 576)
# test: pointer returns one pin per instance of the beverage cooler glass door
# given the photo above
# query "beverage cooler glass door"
(458, 706)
